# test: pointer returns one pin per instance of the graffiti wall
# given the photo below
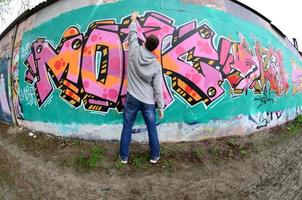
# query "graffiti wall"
(222, 75)
(6, 45)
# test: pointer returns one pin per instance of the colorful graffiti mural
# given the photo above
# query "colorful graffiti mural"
(263, 119)
(5, 54)
(296, 78)
(17, 52)
(5, 108)
(223, 74)
(91, 67)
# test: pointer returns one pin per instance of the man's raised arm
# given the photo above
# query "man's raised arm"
(133, 41)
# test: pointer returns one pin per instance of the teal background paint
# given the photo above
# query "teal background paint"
(222, 23)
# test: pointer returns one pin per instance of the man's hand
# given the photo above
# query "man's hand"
(161, 114)
(134, 16)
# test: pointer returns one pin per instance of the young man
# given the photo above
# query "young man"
(144, 88)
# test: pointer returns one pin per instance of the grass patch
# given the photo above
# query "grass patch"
(76, 142)
(292, 128)
(167, 164)
(90, 159)
(243, 152)
(215, 153)
(231, 142)
(119, 165)
(298, 119)
(199, 154)
(140, 161)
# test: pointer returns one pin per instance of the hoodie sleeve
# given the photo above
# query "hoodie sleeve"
(133, 41)
(158, 90)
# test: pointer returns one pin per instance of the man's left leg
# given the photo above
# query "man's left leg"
(149, 116)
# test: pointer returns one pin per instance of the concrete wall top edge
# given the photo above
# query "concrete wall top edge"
(233, 7)
(229, 4)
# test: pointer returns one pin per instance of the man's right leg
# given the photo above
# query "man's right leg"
(149, 116)
(131, 109)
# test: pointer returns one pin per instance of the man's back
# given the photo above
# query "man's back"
(144, 72)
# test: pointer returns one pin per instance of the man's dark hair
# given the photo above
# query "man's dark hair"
(151, 43)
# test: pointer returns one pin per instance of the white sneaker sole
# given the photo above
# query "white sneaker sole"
(124, 162)
(154, 161)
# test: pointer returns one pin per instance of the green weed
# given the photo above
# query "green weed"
(119, 165)
(140, 162)
(298, 119)
(76, 142)
(90, 159)
(199, 154)
(231, 142)
(243, 152)
(293, 128)
(214, 151)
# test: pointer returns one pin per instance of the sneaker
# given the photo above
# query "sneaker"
(124, 161)
(154, 160)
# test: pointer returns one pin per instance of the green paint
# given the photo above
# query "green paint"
(224, 24)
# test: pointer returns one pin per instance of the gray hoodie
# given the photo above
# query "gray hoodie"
(144, 72)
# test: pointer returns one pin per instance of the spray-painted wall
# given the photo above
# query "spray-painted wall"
(6, 47)
(225, 70)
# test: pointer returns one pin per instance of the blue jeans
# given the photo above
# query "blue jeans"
(131, 108)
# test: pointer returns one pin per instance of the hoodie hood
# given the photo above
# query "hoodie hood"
(145, 57)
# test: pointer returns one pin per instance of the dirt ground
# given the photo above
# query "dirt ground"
(265, 165)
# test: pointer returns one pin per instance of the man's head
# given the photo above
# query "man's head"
(151, 43)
